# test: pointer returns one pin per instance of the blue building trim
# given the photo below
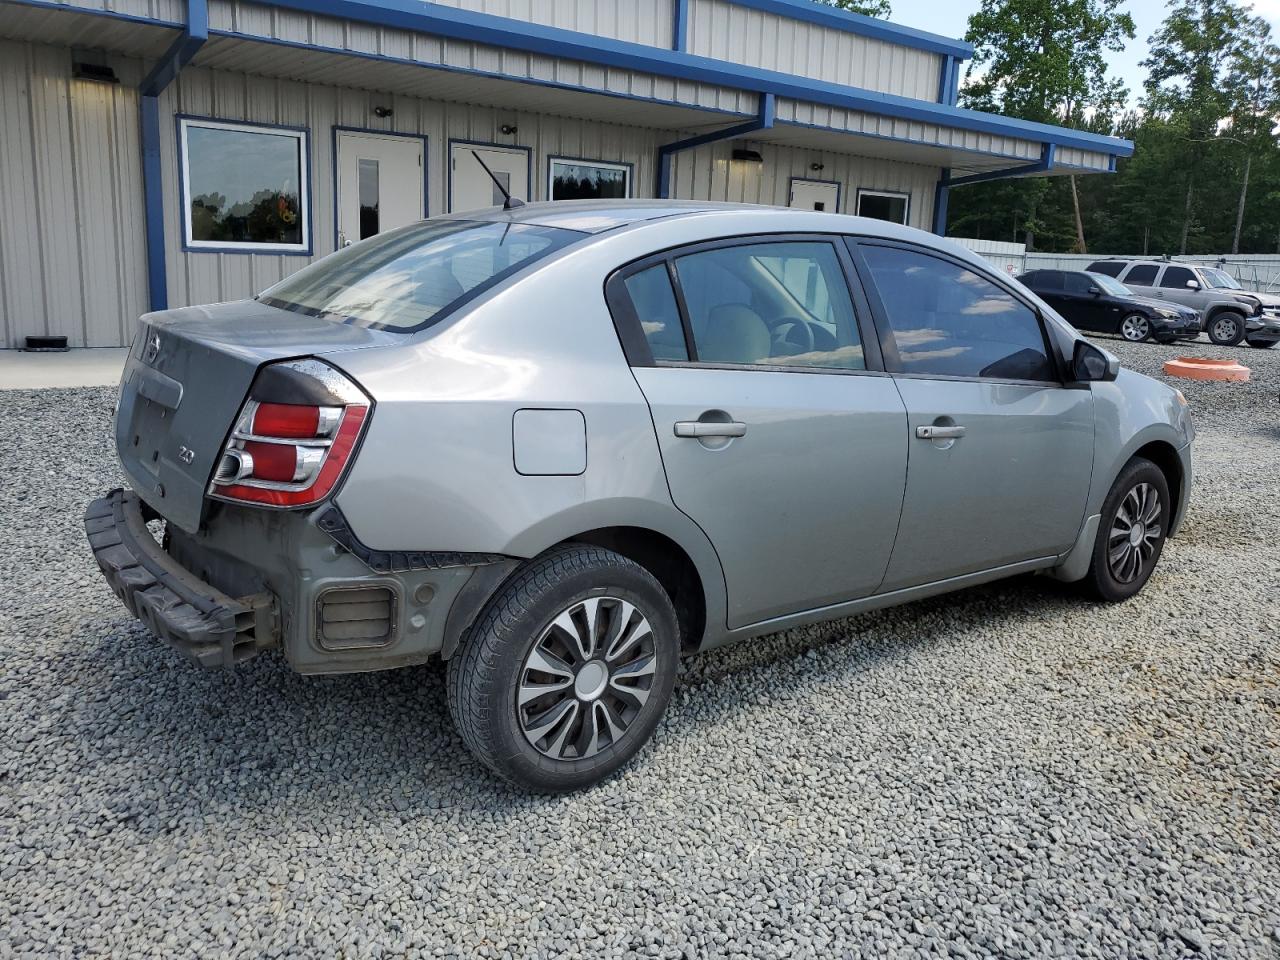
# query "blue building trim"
(763, 121)
(871, 27)
(460, 24)
(949, 82)
(941, 197)
(465, 25)
(1043, 165)
(426, 166)
(680, 24)
(179, 54)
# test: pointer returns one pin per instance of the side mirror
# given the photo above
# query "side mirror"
(1193, 284)
(1095, 291)
(1090, 363)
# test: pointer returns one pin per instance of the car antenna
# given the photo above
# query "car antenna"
(509, 202)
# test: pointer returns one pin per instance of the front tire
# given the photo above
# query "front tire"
(1135, 328)
(1135, 521)
(1226, 329)
(565, 674)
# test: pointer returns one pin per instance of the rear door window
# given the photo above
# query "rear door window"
(778, 304)
(948, 320)
(1050, 280)
(1142, 275)
(1077, 284)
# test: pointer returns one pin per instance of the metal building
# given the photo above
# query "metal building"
(166, 152)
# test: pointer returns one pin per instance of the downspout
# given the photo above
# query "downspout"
(763, 121)
(680, 25)
(941, 197)
(179, 54)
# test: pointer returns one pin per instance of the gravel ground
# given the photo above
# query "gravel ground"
(1009, 771)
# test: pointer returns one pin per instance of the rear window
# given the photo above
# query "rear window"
(1143, 275)
(407, 279)
(1110, 268)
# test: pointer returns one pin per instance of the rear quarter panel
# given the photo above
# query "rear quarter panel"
(436, 470)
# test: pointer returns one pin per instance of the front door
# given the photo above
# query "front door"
(1001, 452)
(1085, 305)
(815, 195)
(380, 184)
(776, 440)
(470, 188)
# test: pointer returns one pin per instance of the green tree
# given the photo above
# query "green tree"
(1211, 66)
(1041, 60)
(868, 8)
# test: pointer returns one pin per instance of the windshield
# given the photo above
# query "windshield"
(1220, 279)
(1109, 285)
(405, 279)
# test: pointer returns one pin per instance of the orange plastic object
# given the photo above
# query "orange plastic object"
(1204, 368)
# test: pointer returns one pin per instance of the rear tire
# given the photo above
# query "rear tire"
(566, 672)
(1226, 329)
(1135, 521)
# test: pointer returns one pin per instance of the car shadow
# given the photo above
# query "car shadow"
(225, 742)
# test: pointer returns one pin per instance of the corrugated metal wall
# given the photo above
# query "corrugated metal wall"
(1085, 159)
(206, 277)
(638, 21)
(838, 118)
(273, 23)
(709, 173)
(738, 34)
(705, 174)
(72, 254)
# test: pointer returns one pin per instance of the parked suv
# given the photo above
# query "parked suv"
(1097, 302)
(560, 445)
(1231, 314)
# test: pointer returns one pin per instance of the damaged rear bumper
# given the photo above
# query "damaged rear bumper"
(189, 614)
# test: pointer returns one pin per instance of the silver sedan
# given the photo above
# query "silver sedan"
(561, 445)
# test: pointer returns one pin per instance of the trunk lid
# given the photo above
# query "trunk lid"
(187, 376)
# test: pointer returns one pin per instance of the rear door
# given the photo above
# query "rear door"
(1001, 452)
(780, 435)
(470, 188)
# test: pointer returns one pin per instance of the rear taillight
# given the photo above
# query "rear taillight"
(293, 438)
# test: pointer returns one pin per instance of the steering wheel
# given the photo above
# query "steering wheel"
(785, 331)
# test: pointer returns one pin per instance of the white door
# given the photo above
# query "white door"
(815, 195)
(470, 188)
(380, 184)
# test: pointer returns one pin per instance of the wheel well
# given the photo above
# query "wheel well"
(1164, 456)
(1224, 308)
(669, 564)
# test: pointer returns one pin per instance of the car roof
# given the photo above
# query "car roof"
(601, 216)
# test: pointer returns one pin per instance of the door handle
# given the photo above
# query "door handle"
(939, 433)
(710, 428)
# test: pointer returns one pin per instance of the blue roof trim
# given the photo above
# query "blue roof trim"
(865, 26)
(416, 15)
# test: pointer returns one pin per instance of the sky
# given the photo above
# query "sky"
(952, 19)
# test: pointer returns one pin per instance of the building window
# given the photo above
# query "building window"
(244, 187)
(589, 180)
(880, 205)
